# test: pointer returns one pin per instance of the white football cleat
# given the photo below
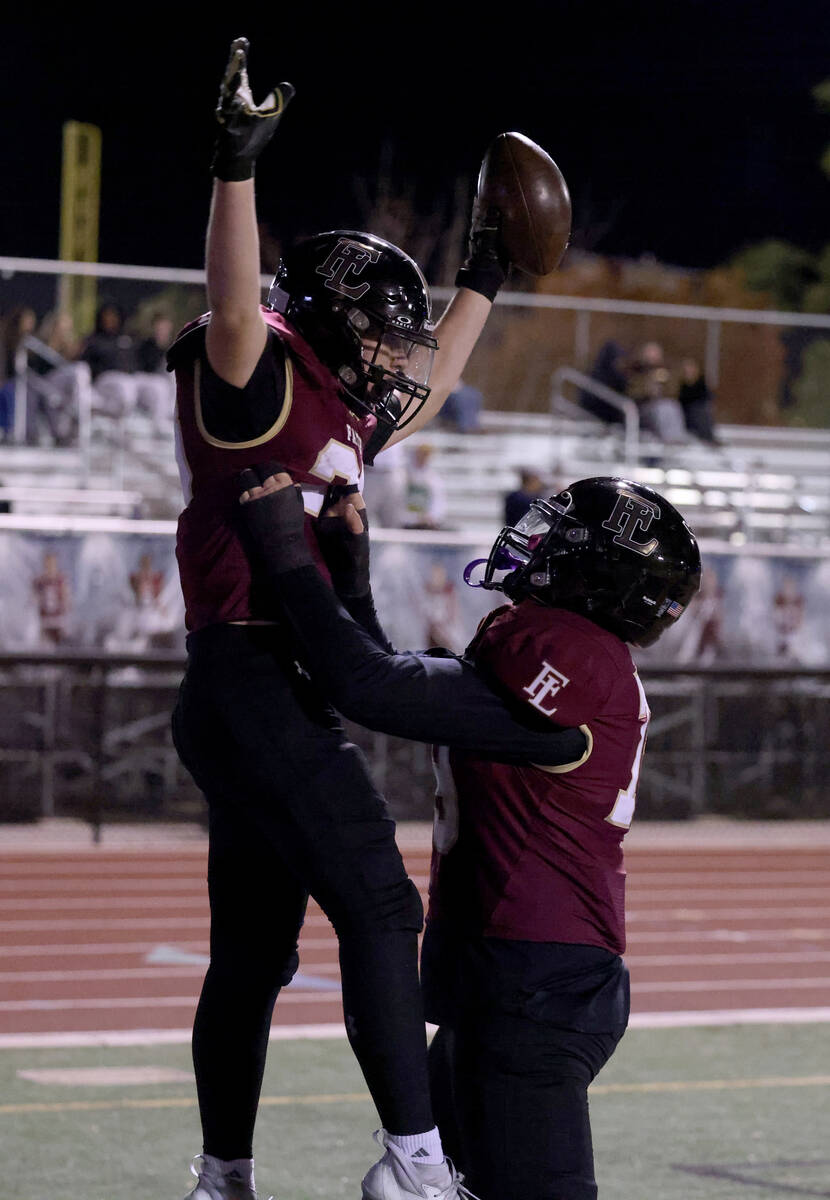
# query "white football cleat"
(218, 1187)
(396, 1176)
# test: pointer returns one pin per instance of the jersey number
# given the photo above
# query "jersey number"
(622, 813)
(337, 461)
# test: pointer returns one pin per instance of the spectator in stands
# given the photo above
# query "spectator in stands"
(425, 499)
(156, 387)
(19, 323)
(461, 411)
(384, 487)
(695, 399)
(63, 382)
(110, 353)
(516, 503)
(120, 385)
(611, 368)
(650, 386)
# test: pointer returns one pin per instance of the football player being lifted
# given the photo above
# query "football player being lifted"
(521, 964)
(338, 357)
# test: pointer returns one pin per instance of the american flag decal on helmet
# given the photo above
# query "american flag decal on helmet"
(673, 609)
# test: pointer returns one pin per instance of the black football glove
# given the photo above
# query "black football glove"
(245, 128)
(275, 522)
(346, 554)
(486, 265)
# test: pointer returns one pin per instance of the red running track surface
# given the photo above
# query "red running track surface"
(99, 939)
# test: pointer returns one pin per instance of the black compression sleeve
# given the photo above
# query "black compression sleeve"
(362, 609)
(410, 695)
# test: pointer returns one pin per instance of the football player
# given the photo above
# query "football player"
(522, 965)
(338, 357)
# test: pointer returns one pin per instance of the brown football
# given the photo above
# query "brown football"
(524, 183)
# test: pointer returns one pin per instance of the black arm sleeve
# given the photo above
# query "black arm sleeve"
(362, 609)
(410, 695)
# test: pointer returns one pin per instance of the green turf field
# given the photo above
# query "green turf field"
(726, 1113)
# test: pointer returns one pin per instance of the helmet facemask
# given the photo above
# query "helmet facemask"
(392, 379)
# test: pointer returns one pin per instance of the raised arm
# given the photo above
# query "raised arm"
(236, 333)
(414, 696)
(478, 281)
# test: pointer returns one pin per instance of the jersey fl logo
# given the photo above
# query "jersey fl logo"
(547, 684)
(632, 514)
(347, 258)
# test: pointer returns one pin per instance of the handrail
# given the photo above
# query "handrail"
(629, 410)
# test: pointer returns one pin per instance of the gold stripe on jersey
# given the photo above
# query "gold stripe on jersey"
(258, 441)
(563, 768)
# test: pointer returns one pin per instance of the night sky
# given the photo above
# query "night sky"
(685, 128)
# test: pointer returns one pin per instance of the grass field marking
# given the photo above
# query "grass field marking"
(737, 1174)
(657, 1086)
(173, 1102)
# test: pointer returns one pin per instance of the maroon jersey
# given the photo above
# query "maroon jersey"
(536, 854)
(290, 412)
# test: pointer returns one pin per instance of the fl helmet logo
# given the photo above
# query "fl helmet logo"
(347, 260)
(632, 515)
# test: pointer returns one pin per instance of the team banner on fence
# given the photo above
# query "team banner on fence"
(118, 591)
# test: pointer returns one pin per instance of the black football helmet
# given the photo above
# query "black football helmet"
(615, 551)
(364, 308)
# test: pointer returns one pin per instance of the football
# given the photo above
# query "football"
(524, 183)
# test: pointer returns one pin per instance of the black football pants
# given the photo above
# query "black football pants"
(293, 812)
(524, 1028)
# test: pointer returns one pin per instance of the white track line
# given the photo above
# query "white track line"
(756, 913)
(171, 970)
(731, 985)
(174, 1037)
(156, 971)
(292, 996)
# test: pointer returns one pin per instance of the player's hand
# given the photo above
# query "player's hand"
(273, 517)
(244, 128)
(342, 532)
(487, 263)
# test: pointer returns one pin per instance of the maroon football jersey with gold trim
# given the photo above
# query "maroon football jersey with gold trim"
(313, 435)
(536, 854)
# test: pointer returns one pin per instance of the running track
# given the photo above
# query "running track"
(111, 940)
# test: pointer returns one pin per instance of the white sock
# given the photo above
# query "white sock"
(235, 1168)
(421, 1147)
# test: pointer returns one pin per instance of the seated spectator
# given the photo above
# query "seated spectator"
(695, 399)
(650, 386)
(110, 353)
(611, 368)
(516, 504)
(461, 411)
(425, 501)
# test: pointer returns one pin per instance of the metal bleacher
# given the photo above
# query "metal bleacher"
(760, 484)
